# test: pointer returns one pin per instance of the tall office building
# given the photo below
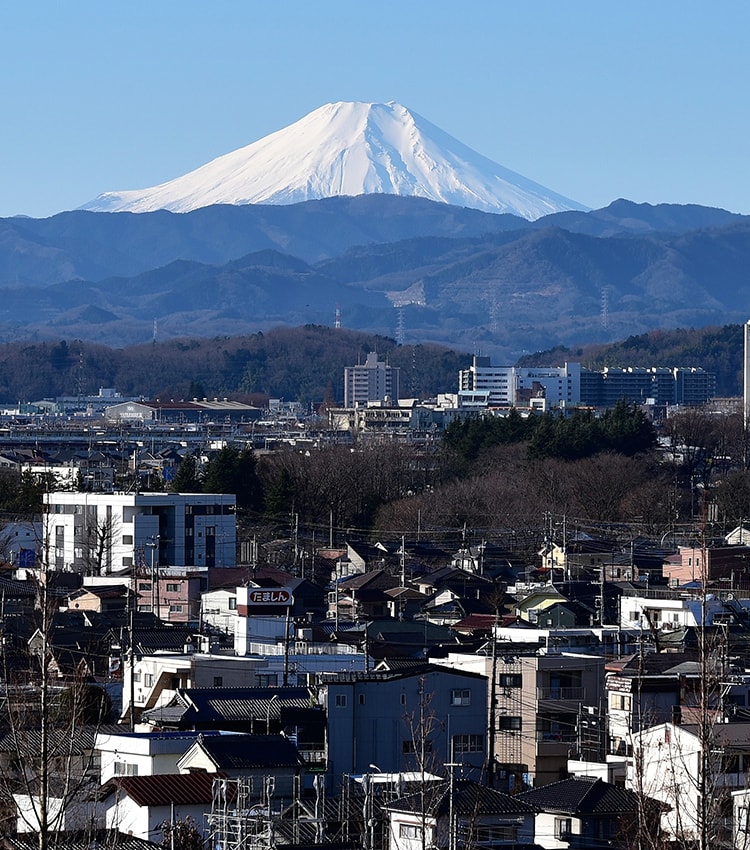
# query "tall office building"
(371, 381)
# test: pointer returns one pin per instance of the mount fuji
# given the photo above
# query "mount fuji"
(348, 149)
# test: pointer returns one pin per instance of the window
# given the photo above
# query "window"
(340, 701)
(510, 680)
(175, 609)
(489, 835)
(137, 676)
(148, 679)
(218, 681)
(267, 680)
(509, 724)
(144, 585)
(562, 828)
(123, 768)
(127, 539)
(127, 561)
(174, 587)
(409, 830)
(468, 743)
(361, 699)
(460, 696)
(232, 603)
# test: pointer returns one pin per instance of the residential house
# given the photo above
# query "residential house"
(393, 717)
(157, 676)
(172, 593)
(693, 773)
(710, 564)
(587, 812)
(103, 599)
(249, 710)
(481, 816)
(142, 805)
(219, 609)
(142, 753)
(250, 757)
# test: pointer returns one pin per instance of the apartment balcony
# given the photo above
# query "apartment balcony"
(561, 694)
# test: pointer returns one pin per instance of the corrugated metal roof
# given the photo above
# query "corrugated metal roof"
(162, 789)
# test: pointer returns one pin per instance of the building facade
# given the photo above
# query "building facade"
(104, 533)
(371, 381)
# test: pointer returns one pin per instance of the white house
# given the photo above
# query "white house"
(219, 609)
(693, 774)
(142, 753)
(141, 805)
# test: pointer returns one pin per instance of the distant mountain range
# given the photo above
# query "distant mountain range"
(396, 266)
(348, 149)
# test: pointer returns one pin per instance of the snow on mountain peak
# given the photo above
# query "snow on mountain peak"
(348, 148)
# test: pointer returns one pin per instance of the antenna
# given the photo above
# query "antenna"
(605, 307)
(337, 317)
(153, 339)
(400, 326)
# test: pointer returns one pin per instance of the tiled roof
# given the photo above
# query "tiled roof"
(469, 798)
(583, 795)
(58, 741)
(104, 839)
(219, 704)
(235, 752)
(162, 789)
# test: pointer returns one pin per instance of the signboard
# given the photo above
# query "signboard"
(269, 596)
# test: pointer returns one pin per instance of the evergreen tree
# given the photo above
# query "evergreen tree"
(186, 478)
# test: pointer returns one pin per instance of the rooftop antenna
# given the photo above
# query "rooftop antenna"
(337, 317)
(153, 339)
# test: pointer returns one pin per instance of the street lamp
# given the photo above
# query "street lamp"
(268, 713)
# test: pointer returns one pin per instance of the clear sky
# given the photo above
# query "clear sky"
(641, 99)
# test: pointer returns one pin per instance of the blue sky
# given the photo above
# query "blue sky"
(595, 100)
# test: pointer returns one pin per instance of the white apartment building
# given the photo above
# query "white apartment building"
(507, 386)
(371, 381)
(104, 533)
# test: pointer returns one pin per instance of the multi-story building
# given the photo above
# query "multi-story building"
(103, 533)
(506, 386)
(662, 385)
(422, 719)
(371, 381)
(484, 385)
(538, 701)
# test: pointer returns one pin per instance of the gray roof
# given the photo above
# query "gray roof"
(237, 752)
(469, 798)
(582, 796)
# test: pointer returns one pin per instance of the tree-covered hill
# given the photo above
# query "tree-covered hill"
(715, 349)
(304, 364)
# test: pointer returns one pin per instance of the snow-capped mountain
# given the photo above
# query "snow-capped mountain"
(348, 149)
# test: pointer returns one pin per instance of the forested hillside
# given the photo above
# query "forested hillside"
(304, 364)
(715, 349)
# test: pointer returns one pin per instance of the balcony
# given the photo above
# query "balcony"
(575, 694)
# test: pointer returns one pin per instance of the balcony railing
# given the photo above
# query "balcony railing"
(546, 737)
(576, 694)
